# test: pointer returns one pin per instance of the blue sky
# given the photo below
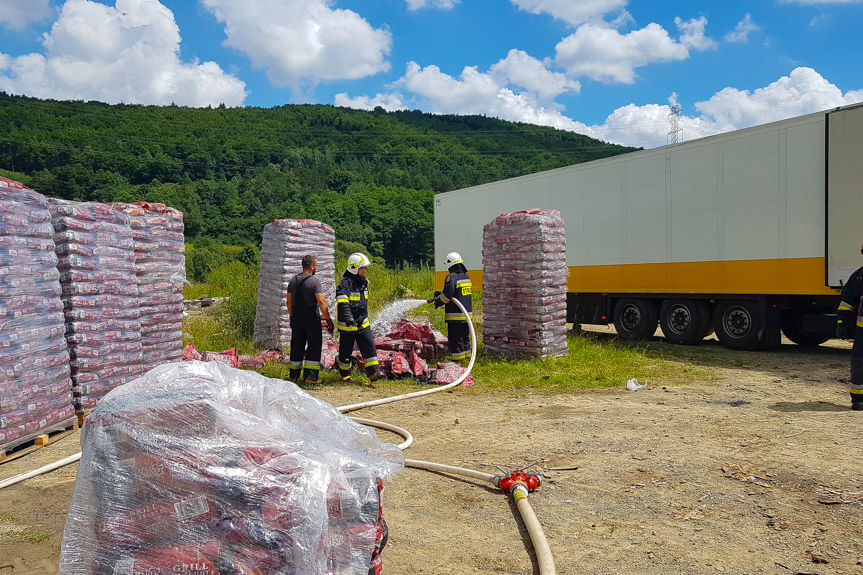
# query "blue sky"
(607, 68)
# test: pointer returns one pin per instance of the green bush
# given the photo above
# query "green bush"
(240, 282)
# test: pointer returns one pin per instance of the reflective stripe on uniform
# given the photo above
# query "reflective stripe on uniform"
(343, 327)
(372, 361)
(312, 367)
(454, 317)
(460, 356)
(342, 299)
(860, 321)
(845, 306)
(366, 324)
(295, 363)
(856, 390)
(344, 365)
(444, 299)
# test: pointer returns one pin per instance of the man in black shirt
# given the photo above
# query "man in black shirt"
(305, 296)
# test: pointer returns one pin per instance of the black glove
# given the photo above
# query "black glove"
(844, 329)
(349, 321)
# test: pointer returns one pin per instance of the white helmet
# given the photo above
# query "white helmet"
(357, 261)
(452, 259)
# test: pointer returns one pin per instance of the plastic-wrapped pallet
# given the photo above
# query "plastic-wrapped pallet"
(96, 259)
(284, 244)
(201, 468)
(160, 264)
(524, 284)
(35, 389)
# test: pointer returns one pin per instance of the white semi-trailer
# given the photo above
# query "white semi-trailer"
(744, 233)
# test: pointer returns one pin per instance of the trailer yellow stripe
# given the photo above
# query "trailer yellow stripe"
(790, 276)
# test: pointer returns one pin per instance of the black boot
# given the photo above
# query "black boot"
(294, 375)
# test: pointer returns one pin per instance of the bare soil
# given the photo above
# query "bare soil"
(757, 470)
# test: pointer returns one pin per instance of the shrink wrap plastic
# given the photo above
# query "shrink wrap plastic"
(201, 468)
(96, 260)
(160, 265)
(524, 284)
(35, 389)
(284, 244)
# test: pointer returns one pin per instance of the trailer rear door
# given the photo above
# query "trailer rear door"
(844, 191)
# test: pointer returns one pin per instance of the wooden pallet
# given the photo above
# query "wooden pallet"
(82, 416)
(48, 436)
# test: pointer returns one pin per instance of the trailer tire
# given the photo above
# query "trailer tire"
(791, 327)
(684, 321)
(738, 324)
(635, 319)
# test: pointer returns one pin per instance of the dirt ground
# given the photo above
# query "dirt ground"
(756, 470)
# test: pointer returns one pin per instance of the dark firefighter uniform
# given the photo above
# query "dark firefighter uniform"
(305, 328)
(850, 324)
(456, 286)
(352, 297)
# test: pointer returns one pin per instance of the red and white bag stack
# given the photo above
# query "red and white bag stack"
(524, 284)
(160, 263)
(35, 389)
(284, 244)
(201, 468)
(96, 259)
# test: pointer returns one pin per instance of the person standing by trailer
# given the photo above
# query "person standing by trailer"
(456, 286)
(849, 325)
(305, 298)
(352, 308)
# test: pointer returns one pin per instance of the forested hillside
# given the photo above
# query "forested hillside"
(371, 175)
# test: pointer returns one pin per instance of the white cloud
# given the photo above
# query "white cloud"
(803, 91)
(473, 92)
(389, 102)
(16, 14)
(604, 54)
(692, 33)
(742, 30)
(521, 69)
(299, 42)
(572, 11)
(442, 4)
(129, 52)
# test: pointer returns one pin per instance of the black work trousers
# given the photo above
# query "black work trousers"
(366, 342)
(458, 335)
(307, 338)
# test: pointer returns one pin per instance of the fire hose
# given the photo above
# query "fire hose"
(517, 483)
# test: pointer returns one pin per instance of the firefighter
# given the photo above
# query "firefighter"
(352, 305)
(305, 296)
(456, 286)
(849, 325)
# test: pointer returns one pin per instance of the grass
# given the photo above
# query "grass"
(593, 361)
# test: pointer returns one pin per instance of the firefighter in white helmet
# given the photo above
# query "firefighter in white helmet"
(352, 297)
(456, 286)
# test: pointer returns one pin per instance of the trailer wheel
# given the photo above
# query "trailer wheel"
(738, 324)
(684, 321)
(791, 327)
(635, 319)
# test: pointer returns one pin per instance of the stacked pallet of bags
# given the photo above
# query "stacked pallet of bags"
(96, 259)
(160, 264)
(35, 389)
(201, 468)
(524, 284)
(284, 244)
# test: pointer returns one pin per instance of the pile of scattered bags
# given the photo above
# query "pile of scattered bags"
(524, 284)
(35, 389)
(283, 246)
(196, 468)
